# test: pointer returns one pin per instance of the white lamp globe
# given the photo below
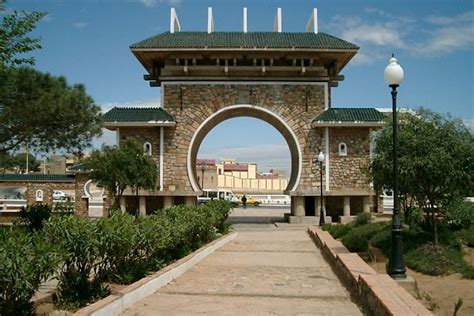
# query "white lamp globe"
(393, 73)
(321, 156)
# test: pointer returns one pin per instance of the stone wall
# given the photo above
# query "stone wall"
(47, 187)
(190, 105)
(143, 135)
(348, 172)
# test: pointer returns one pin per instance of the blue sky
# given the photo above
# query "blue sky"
(87, 41)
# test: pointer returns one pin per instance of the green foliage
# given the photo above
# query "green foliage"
(84, 269)
(123, 243)
(337, 231)
(357, 239)
(13, 36)
(87, 253)
(17, 163)
(117, 168)
(26, 261)
(45, 112)
(381, 240)
(35, 215)
(460, 214)
(466, 236)
(363, 218)
(435, 161)
(437, 260)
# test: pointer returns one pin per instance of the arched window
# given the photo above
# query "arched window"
(147, 148)
(342, 149)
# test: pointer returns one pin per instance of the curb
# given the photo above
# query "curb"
(379, 293)
(119, 301)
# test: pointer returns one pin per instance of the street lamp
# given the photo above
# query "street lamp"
(203, 168)
(321, 213)
(396, 265)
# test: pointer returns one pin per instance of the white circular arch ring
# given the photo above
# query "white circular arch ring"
(246, 110)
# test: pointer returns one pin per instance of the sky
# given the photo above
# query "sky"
(87, 41)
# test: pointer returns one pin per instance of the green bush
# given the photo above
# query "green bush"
(82, 274)
(460, 214)
(381, 240)
(466, 236)
(363, 219)
(35, 215)
(26, 261)
(122, 248)
(338, 230)
(357, 239)
(437, 260)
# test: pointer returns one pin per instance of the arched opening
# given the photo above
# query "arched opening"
(246, 110)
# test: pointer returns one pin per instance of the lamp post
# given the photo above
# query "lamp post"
(321, 212)
(396, 265)
(203, 168)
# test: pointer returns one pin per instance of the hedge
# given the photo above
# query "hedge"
(89, 253)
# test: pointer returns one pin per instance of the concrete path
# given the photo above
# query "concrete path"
(266, 270)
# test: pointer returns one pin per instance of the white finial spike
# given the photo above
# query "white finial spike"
(174, 22)
(312, 25)
(210, 21)
(277, 23)
(245, 21)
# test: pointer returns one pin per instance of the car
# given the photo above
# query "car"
(59, 195)
(250, 201)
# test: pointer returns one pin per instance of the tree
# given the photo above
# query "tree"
(13, 37)
(18, 162)
(45, 113)
(117, 168)
(436, 160)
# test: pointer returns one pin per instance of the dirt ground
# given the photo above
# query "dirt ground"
(440, 293)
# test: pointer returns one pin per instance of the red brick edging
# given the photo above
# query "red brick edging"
(379, 293)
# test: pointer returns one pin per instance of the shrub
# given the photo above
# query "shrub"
(122, 248)
(34, 216)
(26, 261)
(436, 260)
(338, 230)
(460, 214)
(84, 270)
(357, 239)
(381, 240)
(363, 219)
(466, 236)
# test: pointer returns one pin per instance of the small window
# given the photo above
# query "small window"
(147, 148)
(342, 149)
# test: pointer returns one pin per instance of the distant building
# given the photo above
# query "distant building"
(238, 177)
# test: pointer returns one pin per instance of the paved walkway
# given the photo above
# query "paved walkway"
(266, 270)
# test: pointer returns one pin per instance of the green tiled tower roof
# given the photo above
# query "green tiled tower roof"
(37, 177)
(133, 114)
(249, 40)
(335, 115)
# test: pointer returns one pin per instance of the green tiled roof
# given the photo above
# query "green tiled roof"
(244, 40)
(37, 177)
(137, 115)
(350, 115)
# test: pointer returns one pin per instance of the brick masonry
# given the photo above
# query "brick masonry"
(191, 105)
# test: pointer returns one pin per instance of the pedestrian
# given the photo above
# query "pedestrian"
(244, 201)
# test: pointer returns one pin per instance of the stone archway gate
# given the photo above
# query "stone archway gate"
(284, 79)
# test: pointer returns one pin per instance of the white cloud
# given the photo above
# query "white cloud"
(154, 3)
(267, 156)
(80, 24)
(451, 33)
(469, 122)
(148, 103)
